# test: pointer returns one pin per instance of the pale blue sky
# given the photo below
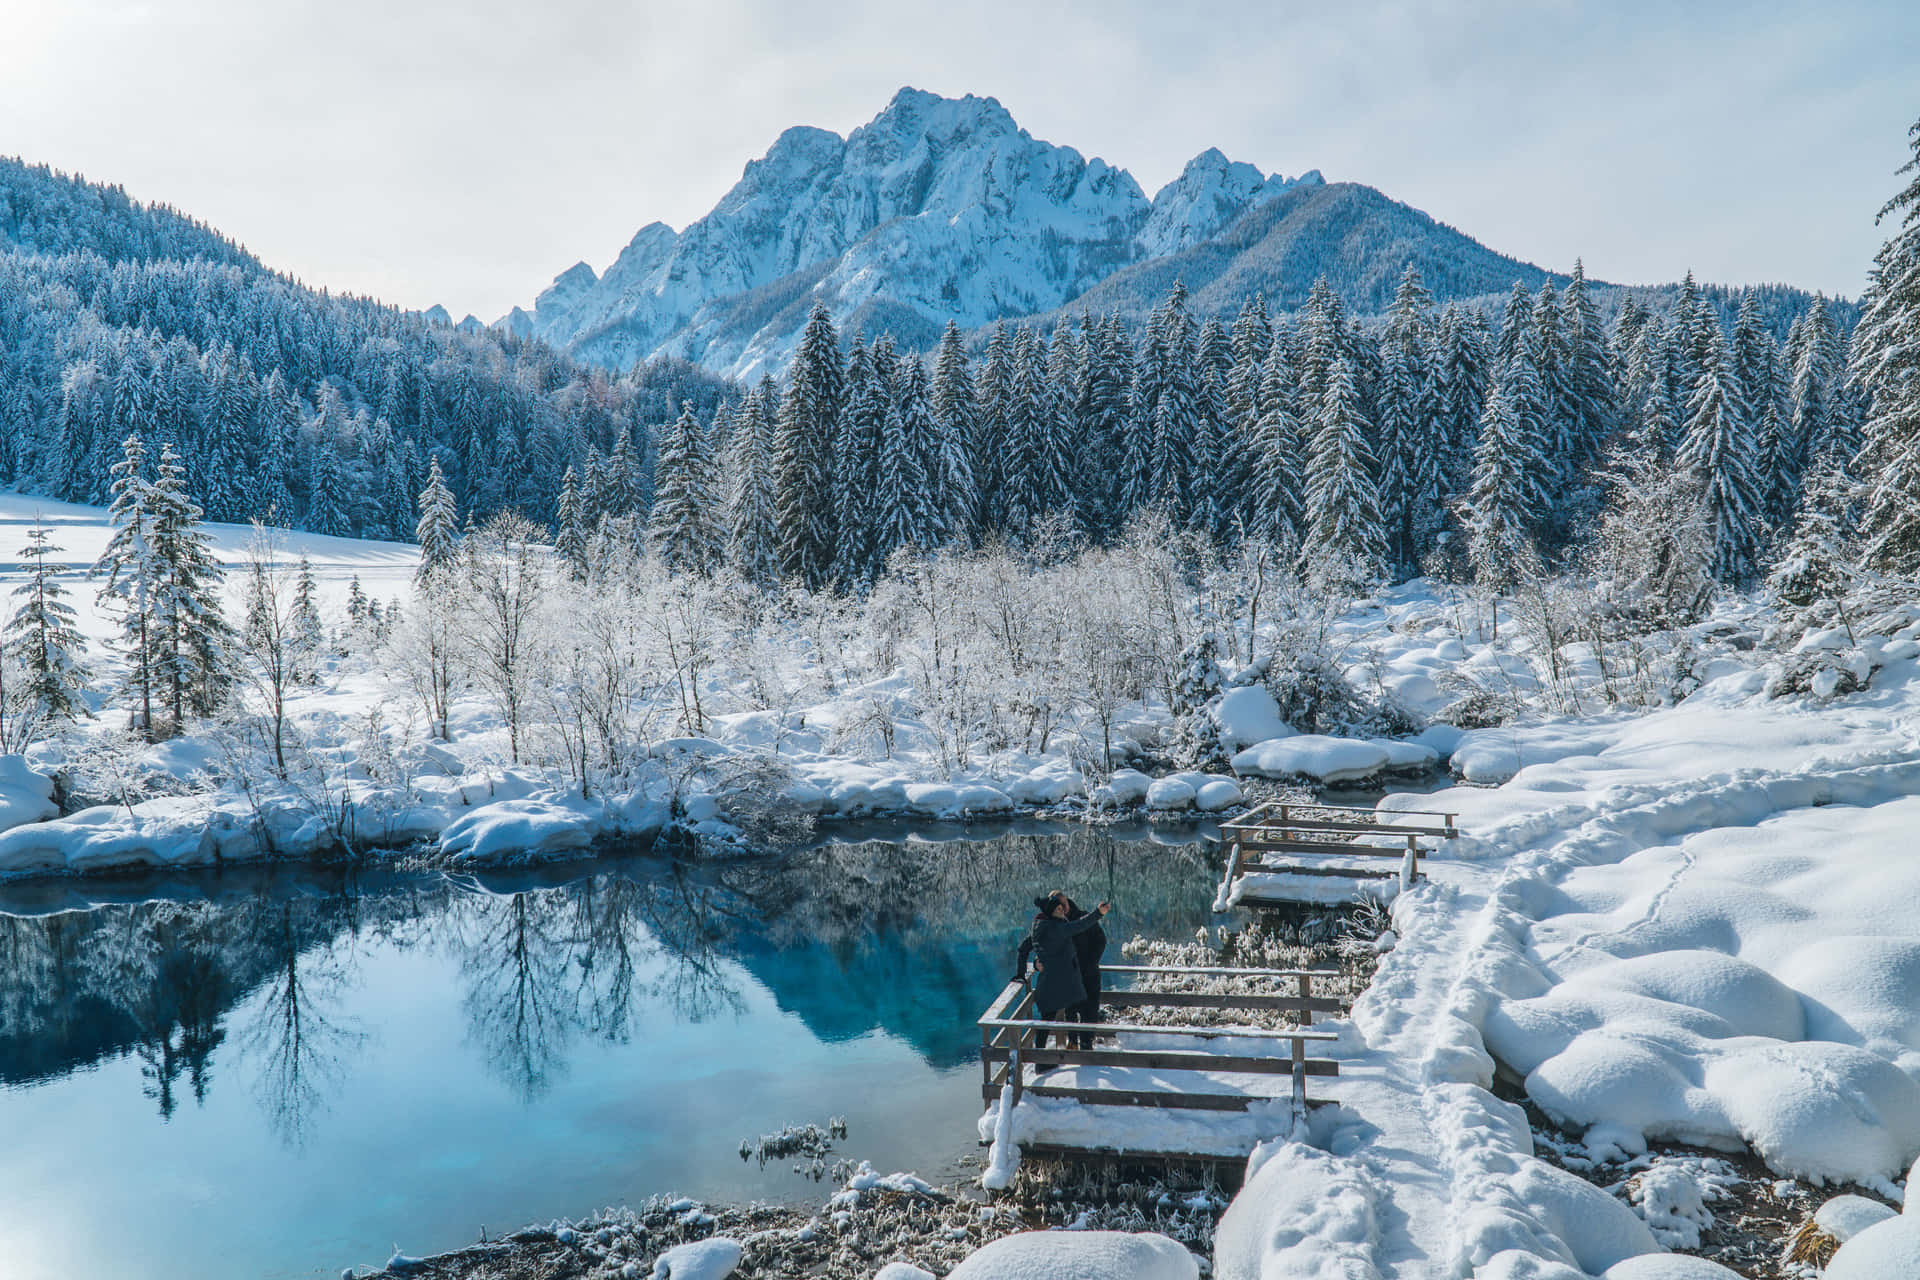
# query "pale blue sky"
(464, 153)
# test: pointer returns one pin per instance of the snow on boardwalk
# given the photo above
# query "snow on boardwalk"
(1576, 865)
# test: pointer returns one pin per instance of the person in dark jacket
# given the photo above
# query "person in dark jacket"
(1088, 947)
(1058, 987)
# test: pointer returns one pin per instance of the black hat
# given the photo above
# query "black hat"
(1047, 903)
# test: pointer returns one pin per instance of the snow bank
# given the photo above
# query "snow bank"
(1079, 1255)
(902, 1271)
(25, 796)
(1303, 1213)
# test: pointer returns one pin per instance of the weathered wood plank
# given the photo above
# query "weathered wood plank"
(1209, 1000)
(1161, 1060)
(1218, 971)
(1115, 1028)
(1297, 869)
(1143, 1098)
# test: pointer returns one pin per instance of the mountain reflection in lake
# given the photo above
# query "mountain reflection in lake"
(284, 1072)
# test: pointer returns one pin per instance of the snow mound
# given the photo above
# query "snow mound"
(713, 1259)
(902, 1271)
(1171, 793)
(25, 796)
(516, 829)
(1249, 715)
(1303, 1212)
(1845, 1217)
(1221, 793)
(1315, 756)
(1079, 1255)
(1886, 1251)
(1668, 1266)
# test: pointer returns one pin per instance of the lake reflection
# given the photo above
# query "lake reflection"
(282, 1073)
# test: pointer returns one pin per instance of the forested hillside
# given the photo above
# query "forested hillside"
(282, 402)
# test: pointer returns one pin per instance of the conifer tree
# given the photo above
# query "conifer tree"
(309, 634)
(327, 499)
(438, 529)
(956, 415)
(1587, 376)
(1719, 449)
(1345, 540)
(683, 528)
(1886, 364)
(903, 513)
(1460, 393)
(571, 535)
(752, 543)
(136, 577)
(43, 638)
(803, 455)
(1506, 493)
(1273, 507)
(856, 462)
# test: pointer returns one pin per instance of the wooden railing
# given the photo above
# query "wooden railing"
(1009, 1041)
(1293, 828)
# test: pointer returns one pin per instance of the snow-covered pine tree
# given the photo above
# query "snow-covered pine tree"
(195, 662)
(1039, 460)
(570, 531)
(683, 528)
(1409, 447)
(43, 638)
(1720, 448)
(752, 539)
(1252, 340)
(1345, 541)
(1587, 376)
(1818, 561)
(327, 498)
(803, 455)
(904, 509)
(135, 580)
(1506, 493)
(1653, 422)
(856, 460)
(1886, 364)
(1515, 324)
(1559, 425)
(1272, 506)
(1216, 490)
(309, 634)
(1460, 390)
(438, 530)
(928, 508)
(956, 415)
(993, 390)
(1170, 369)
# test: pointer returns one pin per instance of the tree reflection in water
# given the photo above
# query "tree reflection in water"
(906, 937)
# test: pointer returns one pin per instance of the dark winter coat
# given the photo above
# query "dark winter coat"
(1059, 985)
(1088, 947)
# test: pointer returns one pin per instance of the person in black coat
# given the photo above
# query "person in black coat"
(1088, 947)
(1060, 990)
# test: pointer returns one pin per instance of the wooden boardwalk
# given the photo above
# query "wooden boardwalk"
(1317, 840)
(1011, 1056)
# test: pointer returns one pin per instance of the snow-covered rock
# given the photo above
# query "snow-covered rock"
(1221, 793)
(517, 829)
(1171, 793)
(1889, 1250)
(1302, 1212)
(1845, 1217)
(1248, 715)
(1128, 786)
(902, 1271)
(1079, 1255)
(1313, 756)
(713, 1259)
(1668, 1266)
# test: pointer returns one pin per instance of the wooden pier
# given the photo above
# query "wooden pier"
(1010, 1049)
(1318, 840)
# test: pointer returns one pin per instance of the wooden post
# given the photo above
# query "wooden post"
(1014, 1067)
(1410, 866)
(1300, 1051)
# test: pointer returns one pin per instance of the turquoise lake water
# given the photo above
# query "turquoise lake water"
(285, 1072)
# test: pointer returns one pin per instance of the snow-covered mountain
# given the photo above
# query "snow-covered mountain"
(938, 209)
